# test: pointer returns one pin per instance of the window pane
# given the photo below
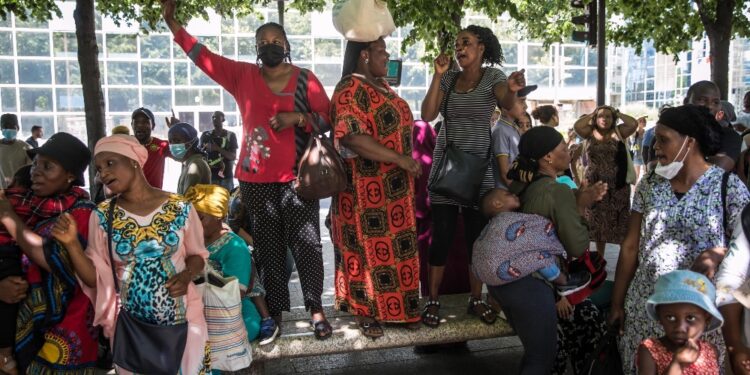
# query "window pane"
(296, 23)
(393, 46)
(573, 77)
(592, 56)
(210, 97)
(69, 99)
(36, 100)
(31, 23)
(538, 76)
(121, 45)
(211, 42)
(591, 73)
(249, 24)
(8, 99)
(414, 52)
(185, 97)
(122, 73)
(123, 100)
(32, 44)
(228, 48)
(414, 97)
(7, 71)
(197, 77)
(155, 73)
(510, 52)
(155, 46)
(574, 55)
(230, 105)
(413, 75)
(301, 49)
(67, 73)
(181, 73)
(65, 44)
(246, 49)
(46, 122)
(158, 100)
(33, 71)
(73, 124)
(6, 43)
(328, 50)
(5, 22)
(227, 25)
(328, 74)
(538, 56)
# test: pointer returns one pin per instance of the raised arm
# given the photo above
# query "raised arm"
(505, 92)
(629, 125)
(224, 71)
(584, 126)
(431, 102)
(30, 243)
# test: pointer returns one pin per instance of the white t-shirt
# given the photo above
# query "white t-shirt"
(733, 272)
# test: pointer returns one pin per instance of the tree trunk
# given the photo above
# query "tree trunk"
(719, 31)
(88, 61)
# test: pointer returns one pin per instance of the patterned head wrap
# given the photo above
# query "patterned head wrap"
(209, 199)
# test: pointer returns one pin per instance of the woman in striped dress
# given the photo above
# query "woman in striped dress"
(475, 91)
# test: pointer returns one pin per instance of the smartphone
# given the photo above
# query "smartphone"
(393, 75)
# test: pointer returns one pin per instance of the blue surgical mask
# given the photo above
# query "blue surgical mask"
(9, 134)
(178, 150)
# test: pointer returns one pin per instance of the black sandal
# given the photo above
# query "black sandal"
(371, 329)
(429, 319)
(322, 329)
(487, 317)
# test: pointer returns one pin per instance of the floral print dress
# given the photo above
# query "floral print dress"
(674, 231)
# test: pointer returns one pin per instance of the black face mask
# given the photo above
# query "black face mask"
(271, 55)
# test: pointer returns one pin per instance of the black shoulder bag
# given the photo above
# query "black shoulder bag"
(460, 174)
(141, 347)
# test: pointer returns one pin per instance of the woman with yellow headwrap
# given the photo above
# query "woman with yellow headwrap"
(230, 256)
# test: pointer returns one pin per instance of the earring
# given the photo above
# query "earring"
(70, 180)
(367, 61)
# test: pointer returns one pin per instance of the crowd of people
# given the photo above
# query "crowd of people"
(77, 275)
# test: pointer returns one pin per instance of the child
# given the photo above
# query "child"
(229, 254)
(514, 245)
(683, 303)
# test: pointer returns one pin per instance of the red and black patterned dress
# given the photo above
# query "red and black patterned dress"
(373, 221)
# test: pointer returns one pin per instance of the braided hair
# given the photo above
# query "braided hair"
(493, 52)
(279, 28)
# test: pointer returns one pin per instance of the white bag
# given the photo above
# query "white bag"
(362, 20)
(230, 348)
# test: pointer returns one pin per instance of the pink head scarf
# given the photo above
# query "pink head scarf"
(125, 145)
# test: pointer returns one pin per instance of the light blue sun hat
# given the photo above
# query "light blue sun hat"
(683, 286)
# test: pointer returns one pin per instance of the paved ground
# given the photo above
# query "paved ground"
(476, 357)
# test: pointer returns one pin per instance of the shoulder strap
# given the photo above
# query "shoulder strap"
(445, 105)
(110, 224)
(301, 137)
(724, 220)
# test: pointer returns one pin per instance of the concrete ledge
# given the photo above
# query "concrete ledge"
(298, 340)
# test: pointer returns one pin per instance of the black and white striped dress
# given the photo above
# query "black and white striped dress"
(468, 119)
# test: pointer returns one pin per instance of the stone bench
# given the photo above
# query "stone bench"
(298, 340)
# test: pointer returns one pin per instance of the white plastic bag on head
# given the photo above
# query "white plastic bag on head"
(362, 20)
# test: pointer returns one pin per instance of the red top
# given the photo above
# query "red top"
(158, 150)
(706, 364)
(265, 155)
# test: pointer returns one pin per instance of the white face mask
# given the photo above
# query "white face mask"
(672, 169)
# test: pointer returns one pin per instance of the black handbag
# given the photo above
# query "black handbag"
(605, 360)
(141, 347)
(460, 174)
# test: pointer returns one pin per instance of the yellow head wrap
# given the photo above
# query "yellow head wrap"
(209, 199)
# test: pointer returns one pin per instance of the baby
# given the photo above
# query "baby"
(514, 245)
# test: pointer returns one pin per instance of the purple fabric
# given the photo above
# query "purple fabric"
(456, 277)
(514, 245)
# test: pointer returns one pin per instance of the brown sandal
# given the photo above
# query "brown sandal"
(488, 316)
(371, 329)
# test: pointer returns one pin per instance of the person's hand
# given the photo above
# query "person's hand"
(740, 127)
(177, 285)
(688, 353)
(590, 194)
(517, 80)
(167, 10)
(616, 319)
(5, 206)
(13, 289)
(442, 64)
(65, 229)
(284, 120)
(171, 121)
(564, 308)
(739, 359)
(410, 165)
(708, 261)
(721, 115)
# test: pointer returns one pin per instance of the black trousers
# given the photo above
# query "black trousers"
(444, 218)
(283, 220)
